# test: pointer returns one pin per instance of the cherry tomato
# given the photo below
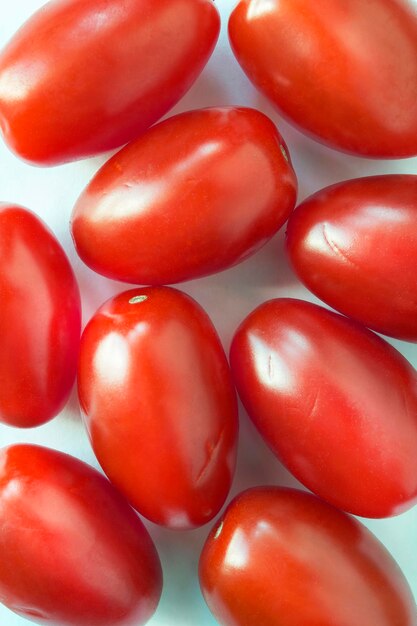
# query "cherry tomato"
(196, 194)
(281, 557)
(40, 320)
(334, 401)
(159, 405)
(85, 76)
(72, 550)
(355, 246)
(343, 72)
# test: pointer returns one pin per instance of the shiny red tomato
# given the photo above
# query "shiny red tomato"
(344, 72)
(72, 550)
(40, 320)
(355, 246)
(159, 405)
(334, 401)
(281, 557)
(86, 76)
(196, 194)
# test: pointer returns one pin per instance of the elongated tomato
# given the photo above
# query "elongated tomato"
(194, 195)
(73, 552)
(334, 401)
(86, 76)
(159, 404)
(343, 72)
(354, 245)
(281, 557)
(40, 320)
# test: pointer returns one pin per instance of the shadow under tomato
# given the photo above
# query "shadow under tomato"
(257, 465)
(231, 294)
(181, 601)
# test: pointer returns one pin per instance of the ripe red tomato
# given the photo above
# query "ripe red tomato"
(196, 194)
(343, 72)
(281, 557)
(355, 246)
(86, 76)
(159, 405)
(334, 401)
(40, 320)
(72, 550)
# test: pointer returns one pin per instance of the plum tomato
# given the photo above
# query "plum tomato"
(40, 320)
(73, 552)
(281, 557)
(159, 404)
(194, 195)
(354, 245)
(82, 77)
(335, 402)
(343, 72)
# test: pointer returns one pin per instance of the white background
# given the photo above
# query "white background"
(227, 297)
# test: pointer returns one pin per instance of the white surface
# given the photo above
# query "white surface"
(227, 297)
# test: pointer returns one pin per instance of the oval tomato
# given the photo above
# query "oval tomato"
(196, 194)
(72, 550)
(159, 404)
(344, 72)
(85, 76)
(40, 320)
(281, 557)
(334, 401)
(354, 245)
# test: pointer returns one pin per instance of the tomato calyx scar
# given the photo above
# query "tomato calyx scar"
(137, 299)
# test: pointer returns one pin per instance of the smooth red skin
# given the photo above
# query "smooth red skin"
(354, 245)
(335, 402)
(86, 76)
(194, 195)
(73, 552)
(40, 320)
(159, 405)
(281, 557)
(343, 72)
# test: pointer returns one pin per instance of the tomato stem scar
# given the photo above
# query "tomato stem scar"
(137, 299)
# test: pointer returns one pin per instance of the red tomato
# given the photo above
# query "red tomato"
(334, 401)
(159, 405)
(344, 72)
(72, 550)
(196, 194)
(40, 320)
(281, 557)
(86, 76)
(355, 246)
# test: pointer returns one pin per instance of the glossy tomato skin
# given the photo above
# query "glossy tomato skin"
(335, 402)
(86, 76)
(196, 194)
(354, 245)
(159, 405)
(73, 551)
(40, 320)
(282, 557)
(317, 62)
